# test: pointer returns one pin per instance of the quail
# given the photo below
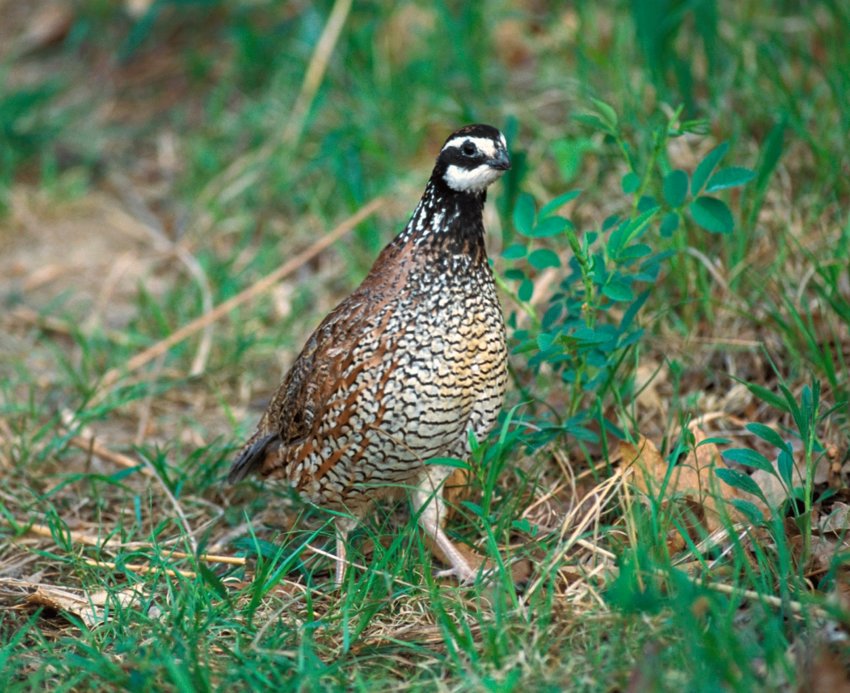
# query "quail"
(401, 371)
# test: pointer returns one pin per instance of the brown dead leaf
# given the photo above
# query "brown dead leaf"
(837, 521)
(692, 480)
(824, 551)
(92, 608)
(772, 488)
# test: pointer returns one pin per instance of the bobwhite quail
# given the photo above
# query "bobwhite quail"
(400, 371)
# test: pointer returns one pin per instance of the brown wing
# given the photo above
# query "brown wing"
(298, 407)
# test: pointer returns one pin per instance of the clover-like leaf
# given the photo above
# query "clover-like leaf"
(750, 458)
(669, 224)
(551, 226)
(706, 166)
(749, 510)
(609, 115)
(712, 214)
(595, 122)
(557, 202)
(766, 433)
(630, 182)
(543, 258)
(675, 187)
(515, 251)
(740, 481)
(785, 464)
(618, 291)
(524, 213)
(730, 177)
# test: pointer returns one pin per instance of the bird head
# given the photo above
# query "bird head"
(472, 158)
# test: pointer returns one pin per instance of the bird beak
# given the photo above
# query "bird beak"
(501, 162)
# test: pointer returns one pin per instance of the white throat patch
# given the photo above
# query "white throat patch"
(471, 180)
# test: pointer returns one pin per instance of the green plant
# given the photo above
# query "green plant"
(592, 320)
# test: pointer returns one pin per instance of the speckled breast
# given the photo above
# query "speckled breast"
(435, 367)
(451, 371)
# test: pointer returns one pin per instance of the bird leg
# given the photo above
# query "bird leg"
(343, 525)
(428, 501)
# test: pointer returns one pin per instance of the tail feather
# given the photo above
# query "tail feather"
(251, 458)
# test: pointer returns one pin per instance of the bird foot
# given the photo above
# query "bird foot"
(463, 577)
(464, 574)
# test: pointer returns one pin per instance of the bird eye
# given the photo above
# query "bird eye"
(468, 149)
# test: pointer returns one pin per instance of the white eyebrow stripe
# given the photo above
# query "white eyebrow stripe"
(484, 144)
